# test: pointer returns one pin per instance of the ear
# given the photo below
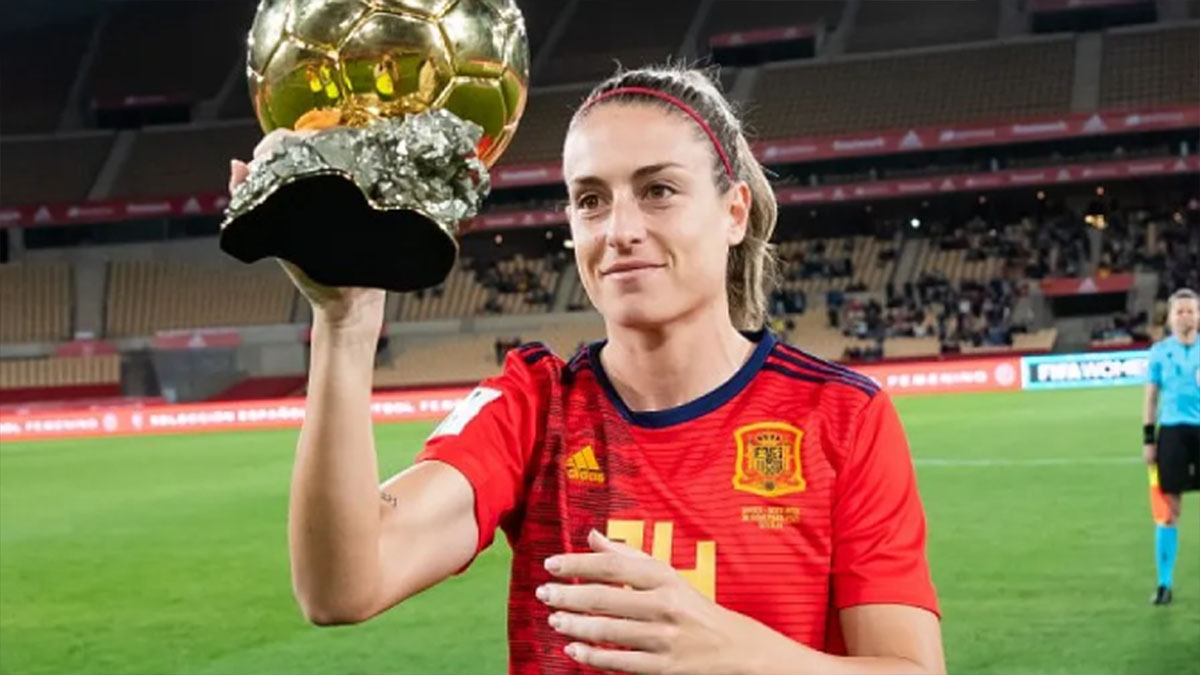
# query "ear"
(737, 204)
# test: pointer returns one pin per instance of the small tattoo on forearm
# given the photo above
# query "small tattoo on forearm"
(389, 499)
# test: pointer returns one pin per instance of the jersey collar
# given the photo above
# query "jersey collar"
(658, 419)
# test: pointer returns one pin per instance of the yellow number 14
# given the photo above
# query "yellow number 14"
(703, 578)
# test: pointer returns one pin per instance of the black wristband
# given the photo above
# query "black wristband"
(1148, 434)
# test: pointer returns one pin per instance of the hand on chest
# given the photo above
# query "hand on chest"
(721, 502)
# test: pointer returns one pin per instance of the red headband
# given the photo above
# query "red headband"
(646, 91)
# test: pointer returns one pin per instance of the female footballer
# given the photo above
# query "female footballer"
(690, 495)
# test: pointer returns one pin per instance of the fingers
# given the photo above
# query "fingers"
(275, 138)
(643, 635)
(238, 171)
(609, 659)
(600, 599)
(601, 544)
(641, 572)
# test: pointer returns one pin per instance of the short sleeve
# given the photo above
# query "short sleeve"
(1154, 369)
(878, 523)
(489, 437)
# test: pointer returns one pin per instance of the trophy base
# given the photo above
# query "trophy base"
(325, 226)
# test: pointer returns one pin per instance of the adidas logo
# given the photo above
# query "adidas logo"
(582, 466)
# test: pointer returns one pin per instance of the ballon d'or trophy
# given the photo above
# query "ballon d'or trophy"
(413, 100)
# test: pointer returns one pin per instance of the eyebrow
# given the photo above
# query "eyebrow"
(639, 173)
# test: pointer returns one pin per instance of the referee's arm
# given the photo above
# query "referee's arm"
(1149, 415)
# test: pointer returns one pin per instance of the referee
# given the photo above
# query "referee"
(1173, 400)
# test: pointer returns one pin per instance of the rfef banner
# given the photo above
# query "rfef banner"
(941, 377)
(1088, 369)
(408, 406)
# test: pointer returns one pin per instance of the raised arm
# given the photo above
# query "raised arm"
(357, 549)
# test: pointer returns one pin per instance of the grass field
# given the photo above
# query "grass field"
(168, 554)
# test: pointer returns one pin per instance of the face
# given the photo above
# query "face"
(652, 232)
(1183, 316)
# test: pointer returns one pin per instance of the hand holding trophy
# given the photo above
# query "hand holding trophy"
(414, 100)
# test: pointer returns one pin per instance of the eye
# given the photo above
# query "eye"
(659, 191)
(587, 201)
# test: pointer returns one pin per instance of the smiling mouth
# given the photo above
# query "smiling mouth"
(627, 272)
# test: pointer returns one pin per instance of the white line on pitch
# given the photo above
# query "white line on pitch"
(1041, 461)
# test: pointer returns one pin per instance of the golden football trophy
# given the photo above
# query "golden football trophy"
(414, 100)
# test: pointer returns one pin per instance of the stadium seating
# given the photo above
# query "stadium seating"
(1018, 80)
(168, 162)
(882, 25)
(140, 54)
(470, 358)
(59, 371)
(593, 42)
(149, 296)
(36, 298)
(1151, 67)
(953, 264)
(73, 161)
(464, 295)
(728, 16)
(863, 252)
(37, 67)
(540, 137)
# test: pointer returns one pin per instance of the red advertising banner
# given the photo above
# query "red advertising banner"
(763, 35)
(1059, 5)
(884, 189)
(112, 211)
(205, 338)
(975, 135)
(427, 404)
(914, 187)
(85, 348)
(1113, 283)
(937, 377)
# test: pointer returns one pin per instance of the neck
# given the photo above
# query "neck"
(662, 367)
(1186, 338)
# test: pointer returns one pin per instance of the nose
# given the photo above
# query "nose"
(626, 224)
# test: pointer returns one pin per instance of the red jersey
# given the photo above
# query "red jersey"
(785, 494)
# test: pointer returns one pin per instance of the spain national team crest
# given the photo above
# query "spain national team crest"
(768, 459)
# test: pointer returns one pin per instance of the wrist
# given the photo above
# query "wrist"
(354, 327)
(1149, 434)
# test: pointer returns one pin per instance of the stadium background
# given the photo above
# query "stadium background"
(981, 199)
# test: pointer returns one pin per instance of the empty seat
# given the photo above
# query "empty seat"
(36, 301)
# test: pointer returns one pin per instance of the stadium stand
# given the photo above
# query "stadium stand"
(544, 126)
(884, 25)
(139, 57)
(1148, 67)
(73, 161)
(1020, 79)
(472, 357)
(148, 296)
(728, 16)
(592, 42)
(178, 160)
(514, 286)
(59, 378)
(37, 79)
(36, 298)
(59, 371)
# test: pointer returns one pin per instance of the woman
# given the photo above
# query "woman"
(765, 498)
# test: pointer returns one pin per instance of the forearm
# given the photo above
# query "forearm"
(333, 520)
(1150, 406)
(795, 657)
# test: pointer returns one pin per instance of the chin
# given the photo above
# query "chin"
(637, 312)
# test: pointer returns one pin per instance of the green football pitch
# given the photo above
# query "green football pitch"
(168, 554)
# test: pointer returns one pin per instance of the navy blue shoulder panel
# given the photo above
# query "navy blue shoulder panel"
(799, 360)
